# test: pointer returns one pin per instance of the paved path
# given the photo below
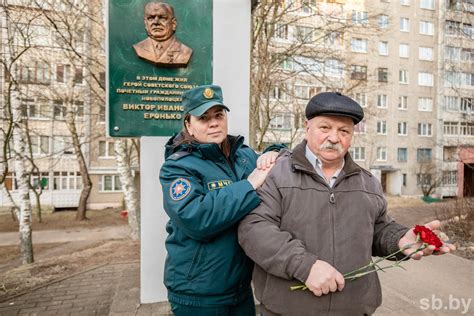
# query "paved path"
(434, 286)
(67, 235)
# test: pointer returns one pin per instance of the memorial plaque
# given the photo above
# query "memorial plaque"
(156, 51)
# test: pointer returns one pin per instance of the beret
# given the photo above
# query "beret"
(334, 103)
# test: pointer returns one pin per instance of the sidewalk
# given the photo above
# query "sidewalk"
(434, 286)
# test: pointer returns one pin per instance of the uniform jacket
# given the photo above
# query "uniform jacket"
(176, 55)
(205, 197)
(301, 219)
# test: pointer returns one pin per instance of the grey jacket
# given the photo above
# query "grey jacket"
(301, 219)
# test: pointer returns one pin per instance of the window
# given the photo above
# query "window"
(450, 178)
(62, 145)
(302, 92)
(423, 179)
(450, 153)
(427, 4)
(358, 72)
(40, 145)
(333, 67)
(451, 103)
(106, 149)
(405, 2)
(458, 29)
(382, 153)
(402, 154)
(382, 101)
(59, 110)
(425, 104)
(281, 31)
(403, 76)
(304, 34)
(287, 64)
(40, 180)
(281, 121)
(308, 65)
(451, 128)
(34, 108)
(383, 48)
(467, 105)
(33, 73)
(402, 102)
(62, 73)
(425, 53)
(404, 24)
(279, 94)
(359, 45)
(467, 54)
(424, 129)
(101, 113)
(382, 127)
(361, 98)
(334, 39)
(67, 180)
(358, 153)
(110, 183)
(404, 50)
(78, 76)
(423, 154)
(360, 128)
(466, 129)
(404, 179)
(383, 21)
(382, 74)
(426, 28)
(402, 128)
(425, 79)
(452, 53)
(360, 17)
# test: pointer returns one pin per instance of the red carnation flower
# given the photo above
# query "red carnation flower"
(427, 236)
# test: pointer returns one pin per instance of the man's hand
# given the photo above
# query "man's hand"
(323, 278)
(410, 238)
(266, 160)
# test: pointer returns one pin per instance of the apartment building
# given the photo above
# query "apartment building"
(408, 63)
(55, 51)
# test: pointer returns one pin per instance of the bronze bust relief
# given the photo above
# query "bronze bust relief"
(161, 47)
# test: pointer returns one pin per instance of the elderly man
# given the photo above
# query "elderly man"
(321, 216)
(161, 47)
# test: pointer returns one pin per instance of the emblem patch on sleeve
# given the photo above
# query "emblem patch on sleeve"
(179, 189)
(219, 184)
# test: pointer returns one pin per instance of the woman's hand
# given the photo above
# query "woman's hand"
(258, 176)
(267, 160)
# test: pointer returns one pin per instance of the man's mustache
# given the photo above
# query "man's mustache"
(329, 145)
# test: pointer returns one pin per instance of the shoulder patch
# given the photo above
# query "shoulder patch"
(178, 155)
(219, 184)
(179, 189)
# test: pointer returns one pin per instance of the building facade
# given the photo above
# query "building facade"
(408, 63)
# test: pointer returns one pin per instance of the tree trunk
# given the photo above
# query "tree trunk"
(128, 187)
(86, 180)
(14, 208)
(26, 243)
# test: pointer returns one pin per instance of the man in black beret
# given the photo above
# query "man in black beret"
(320, 217)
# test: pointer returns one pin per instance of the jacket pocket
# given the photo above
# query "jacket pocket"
(194, 267)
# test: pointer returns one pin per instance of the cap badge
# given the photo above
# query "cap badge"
(208, 93)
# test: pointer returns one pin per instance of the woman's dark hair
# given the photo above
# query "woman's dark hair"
(188, 139)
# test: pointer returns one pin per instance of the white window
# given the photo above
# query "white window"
(427, 4)
(402, 154)
(451, 103)
(304, 34)
(62, 145)
(405, 2)
(308, 65)
(466, 128)
(425, 53)
(360, 128)
(402, 102)
(106, 149)
(467, 54)
(382, 101)
(333, 68)
(67, 180)
(403, 76)
(358, 153)
(381, 153)
(359, 45)
(40, 145)
(423, 154)
(466, 105)
(281, 121)
(383, 21)
(361, 98)
(402, 128)
(452, 53)
(425, 104)
(110, 183)
(383, 48)
(424, 129)
(450, 178)
(452, 79)
(40, 35)
(425, 79)
(281, 31)
(382, 127)
(360, 17)
(279, 94)
(286, 64)
(451, 128)
(404, 50)
(302, 92)
(426, 28)
(404, 24)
